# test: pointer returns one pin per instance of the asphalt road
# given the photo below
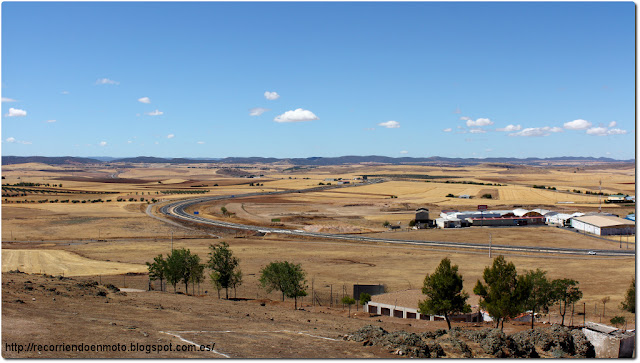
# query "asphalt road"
(177, 210)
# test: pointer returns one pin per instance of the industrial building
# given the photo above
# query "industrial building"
(603, 225)
(422, 220)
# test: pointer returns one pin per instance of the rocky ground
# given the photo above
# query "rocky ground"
(548, 342)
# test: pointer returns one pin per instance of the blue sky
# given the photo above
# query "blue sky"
(318, 79)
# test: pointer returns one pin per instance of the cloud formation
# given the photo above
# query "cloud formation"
(154, 113)
(597, 131)
(404, 152)
(107, 81)
(477, 131)
(298, 115)
(200, 142)
(578, 124)
(13, 140)
(5, 99)
(603, 131)
(16, 112)
(51, 121)
(257, 111)
(537, 131)
(103, 143)
(479, 122)
(171, 136)
(144, 100)
(510, 128)
(612, 124)
(448, 129)
(617, 132)
(271, 95)
(390, 124)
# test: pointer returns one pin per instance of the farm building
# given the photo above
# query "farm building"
(404, 305)
(603, 225)
(422, 219)
(451, 222)
(507, 221)
(560, 219)
(616, 198)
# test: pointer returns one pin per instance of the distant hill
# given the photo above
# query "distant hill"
(311, 161)
(56, 160)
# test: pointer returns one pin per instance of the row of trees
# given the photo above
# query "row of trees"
(181, 266)
(504, 294)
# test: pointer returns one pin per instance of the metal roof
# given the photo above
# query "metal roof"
(604, 221)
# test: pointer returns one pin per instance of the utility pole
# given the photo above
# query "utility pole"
(489, 245)
(171, 241)
(599, 198)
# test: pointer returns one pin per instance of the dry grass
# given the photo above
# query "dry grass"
(56, 262)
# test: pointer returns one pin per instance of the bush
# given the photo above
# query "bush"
(487, 196)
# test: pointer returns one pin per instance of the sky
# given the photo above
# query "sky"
(288, 79)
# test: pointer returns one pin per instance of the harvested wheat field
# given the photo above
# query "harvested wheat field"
(56, 262)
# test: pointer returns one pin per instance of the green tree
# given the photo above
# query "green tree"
(505, 293)
(197, 272)
(182, 266)
(541, 295)
(285, 277)
(566, 292)
(364, 298)
(618, 320)
(444, 292)
(348, 300)
(157, 269)
(629, 303)
(175, 267)
(386, 224)
(224, 211)
(222, 261)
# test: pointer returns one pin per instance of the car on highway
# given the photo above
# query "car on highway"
(592, 253)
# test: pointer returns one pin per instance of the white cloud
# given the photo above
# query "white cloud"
(577, 125)
(536, 131)
(477, 131)
(257, 111)
(200, 142)
(271, 95)
(404, 152)
(369, 129)
(16, 112)
(510, 128)
(617, 132)
(103, 143)
(51, 121)
(448, 129)
(612, 124)
(11, 139)
(144, 100)
(479, 122)
(129, 142)
(156, 143)
(65, 92)
(297, 115)
(5, 99)
(154, 113)
(171, 136)
(597, 131)
(390, 124)
(106, 81)
(464, 118)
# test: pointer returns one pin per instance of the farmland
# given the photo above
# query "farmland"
(109, 238)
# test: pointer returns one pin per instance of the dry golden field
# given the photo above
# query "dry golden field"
(106, 237)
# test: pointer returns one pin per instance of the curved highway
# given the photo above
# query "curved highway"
(177, 210)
